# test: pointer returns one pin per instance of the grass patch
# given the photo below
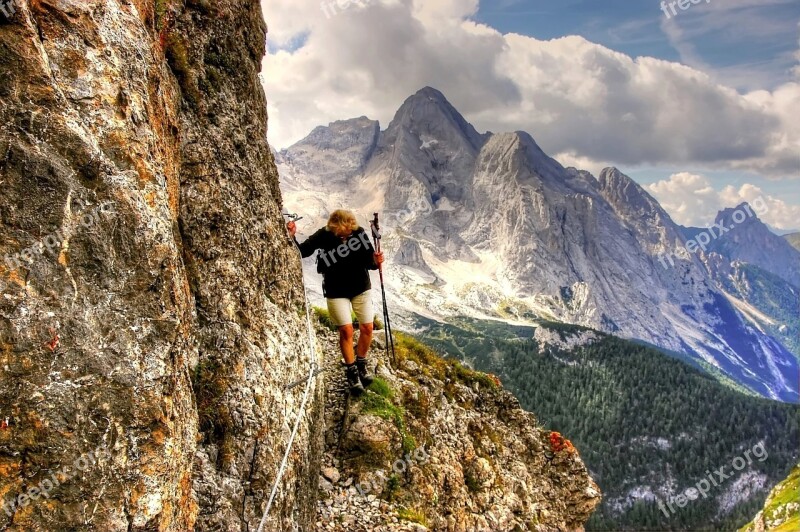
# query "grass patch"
(324, 317)
(776, 509)
(412, 515)
(381, 387)
(434, 365)
(378, 402)
(393, 488)
(417, 404)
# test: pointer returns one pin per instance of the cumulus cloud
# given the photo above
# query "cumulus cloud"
(691, 200)
(574, 96)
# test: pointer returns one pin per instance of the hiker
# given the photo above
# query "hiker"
(345, 257)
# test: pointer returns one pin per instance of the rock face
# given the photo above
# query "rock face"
(435, 446)
(151, 308)
(749, 241)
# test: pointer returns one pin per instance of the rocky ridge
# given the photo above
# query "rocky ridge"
(433, 445)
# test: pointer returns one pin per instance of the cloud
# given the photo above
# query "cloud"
(691, 200)
(758, 23)
(574, 96)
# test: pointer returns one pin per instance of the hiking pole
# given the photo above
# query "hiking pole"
(376, 236)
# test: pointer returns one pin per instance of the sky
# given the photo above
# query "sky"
(700, 106)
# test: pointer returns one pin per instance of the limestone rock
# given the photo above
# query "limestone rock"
(152, 306)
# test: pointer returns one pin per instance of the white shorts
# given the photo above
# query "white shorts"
(339, 309)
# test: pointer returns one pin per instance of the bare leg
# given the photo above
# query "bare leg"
(346, 343)
(364, 339)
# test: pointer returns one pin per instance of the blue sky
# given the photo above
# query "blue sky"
(759, 39)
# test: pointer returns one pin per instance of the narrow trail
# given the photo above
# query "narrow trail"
(344, 506)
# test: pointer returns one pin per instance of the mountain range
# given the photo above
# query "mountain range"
(489, 226)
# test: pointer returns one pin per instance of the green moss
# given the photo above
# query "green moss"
(392, 487)
(212, 82)
(210, 383)
(161, 10)
(204, 6)
(220, 60)
(177, 55)
(378, 401)
(471, 482)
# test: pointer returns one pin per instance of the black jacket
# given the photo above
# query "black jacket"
(344, 264)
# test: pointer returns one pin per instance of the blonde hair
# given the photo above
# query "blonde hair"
(342, 221)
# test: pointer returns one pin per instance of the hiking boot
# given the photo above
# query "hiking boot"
(351, 372)
(363, 373)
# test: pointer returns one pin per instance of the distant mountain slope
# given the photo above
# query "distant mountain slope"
(793, 239)
(756, 269)
(769, 302)
(490, 226)
(746, 239)
(649, 427)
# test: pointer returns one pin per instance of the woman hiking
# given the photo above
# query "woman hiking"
(345, 258)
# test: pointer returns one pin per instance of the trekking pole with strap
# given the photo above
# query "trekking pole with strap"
(376, 236)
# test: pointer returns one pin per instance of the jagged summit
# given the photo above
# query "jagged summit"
(747, 239)
(629, 197)
(332, 153)
(429, 114)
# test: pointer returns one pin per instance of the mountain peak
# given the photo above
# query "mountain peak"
(744, 213)
(740, 235)
(429, 113)
(619, 189)
(430, 92)
(332, 153)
